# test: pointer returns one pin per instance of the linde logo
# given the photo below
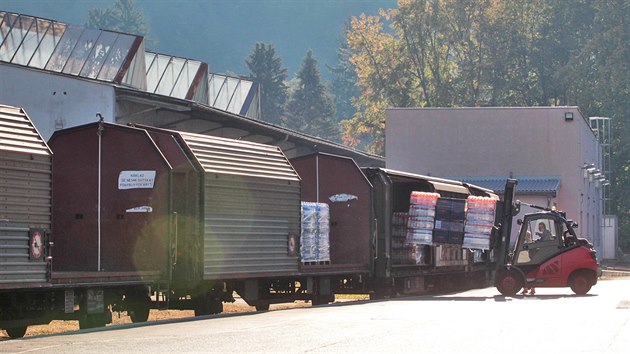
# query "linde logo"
(136, 179)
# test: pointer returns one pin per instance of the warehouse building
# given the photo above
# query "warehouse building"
(554, 152)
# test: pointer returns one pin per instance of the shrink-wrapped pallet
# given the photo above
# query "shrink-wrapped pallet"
(315, 237)
(421, 218)
(401, 250)
(479, 222)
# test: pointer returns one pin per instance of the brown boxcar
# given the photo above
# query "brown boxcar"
(111, 189)
(339, 182)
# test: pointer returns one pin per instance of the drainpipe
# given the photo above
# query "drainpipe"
(99, 132)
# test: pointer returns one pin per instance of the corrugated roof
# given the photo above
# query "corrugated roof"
(18, 134)
(237, 157)
(533, 185)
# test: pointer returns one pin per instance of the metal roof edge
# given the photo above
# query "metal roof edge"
(136, 130)
(280, 131)
(334, 156)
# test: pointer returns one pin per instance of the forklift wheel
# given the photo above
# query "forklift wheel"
(509, 283)
(580, 283)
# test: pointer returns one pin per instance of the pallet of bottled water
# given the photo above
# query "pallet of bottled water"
(315, 237)
(421, 218)
(480, 215)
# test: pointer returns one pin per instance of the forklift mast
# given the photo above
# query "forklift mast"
(505, 226)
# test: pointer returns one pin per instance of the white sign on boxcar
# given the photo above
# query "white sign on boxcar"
(136, 179)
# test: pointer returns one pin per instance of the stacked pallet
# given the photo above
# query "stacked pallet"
(315, 237)
(479, 222)
(420, 225)
(421, 218)
(402, 252)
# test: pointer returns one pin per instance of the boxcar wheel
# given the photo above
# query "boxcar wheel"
(323, 299)
(205, 306)
(262, 306)
(93, 321)
(139, 309)
(509, 283)
(202, 308)
(580, 283)
(16, 332)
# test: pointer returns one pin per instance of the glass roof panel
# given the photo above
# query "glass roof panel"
(81, 51)
(174, 82)
(240, 95)
(149, 58)
(48, 40)
(99, 53)
(252, 109)
(201, 92)
(117, 55)
(188, 76)
(153, 75)
(2, 13)
(223, 97)
(64, 48)
(14, 37)
(5, 25)
(160, 66)
(135, 73)
(236, 98)
(30, 41)
(214, 86)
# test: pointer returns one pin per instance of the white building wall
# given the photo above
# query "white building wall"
(528, 141)
(55, 101)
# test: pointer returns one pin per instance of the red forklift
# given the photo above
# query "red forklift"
(547, 252)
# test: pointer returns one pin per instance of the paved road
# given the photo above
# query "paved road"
(476, 321)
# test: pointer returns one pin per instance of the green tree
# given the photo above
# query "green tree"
(310, 108)
(123, 16)
(513, 34)
(432, 54)
(344, 84)
(266, 69)
(600, 85)
(564, 35)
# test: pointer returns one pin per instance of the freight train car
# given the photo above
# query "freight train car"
(25, 217)
(200, 214)
(143, 218)
(437, 260)
(369, 217)
(337, 183)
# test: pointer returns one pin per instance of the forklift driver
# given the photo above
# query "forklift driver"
(543, 233)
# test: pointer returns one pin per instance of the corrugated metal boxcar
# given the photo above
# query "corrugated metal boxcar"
(25, 201)
(197, 211)
(25, 221)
